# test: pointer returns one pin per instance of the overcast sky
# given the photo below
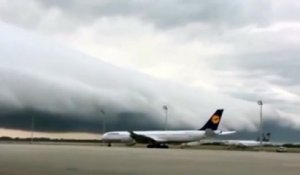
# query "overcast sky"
(240, 50)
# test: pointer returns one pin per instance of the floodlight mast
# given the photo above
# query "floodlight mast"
(165, 107)
(260, 103)
(32, 129)
(103, 121)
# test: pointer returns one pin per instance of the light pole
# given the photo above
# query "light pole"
(32, 129)
(165, 107)
(103, 121)
(260, 103)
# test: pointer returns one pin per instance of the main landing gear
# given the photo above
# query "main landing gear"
(157, 146)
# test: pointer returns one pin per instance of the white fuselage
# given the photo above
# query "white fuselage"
(243, 143)
(163, 136)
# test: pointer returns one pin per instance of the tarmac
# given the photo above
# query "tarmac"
(21, 159)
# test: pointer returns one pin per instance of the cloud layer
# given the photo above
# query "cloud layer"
(43, 76)
(227, 54)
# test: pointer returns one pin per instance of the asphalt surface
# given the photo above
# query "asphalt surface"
(88, 160)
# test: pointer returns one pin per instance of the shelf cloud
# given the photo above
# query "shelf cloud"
(65, 61)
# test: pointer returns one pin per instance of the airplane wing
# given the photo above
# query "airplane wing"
(140, 138)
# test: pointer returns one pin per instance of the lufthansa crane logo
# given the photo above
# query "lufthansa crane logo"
(215, 119)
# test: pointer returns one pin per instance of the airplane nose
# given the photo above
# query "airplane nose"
(104, 137)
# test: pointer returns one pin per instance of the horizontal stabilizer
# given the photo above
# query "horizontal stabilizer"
(227, 132)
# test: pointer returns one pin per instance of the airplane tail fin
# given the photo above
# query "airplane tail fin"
(214, 120)
(267, 137)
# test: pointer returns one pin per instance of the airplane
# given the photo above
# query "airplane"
(242, 143)
(249, 143)
(160, 139)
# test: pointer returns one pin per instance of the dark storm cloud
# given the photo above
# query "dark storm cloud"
(281, 63)
(164, 14)
(171, 13)
(56, 122)
(255, 41)
(59, 84)
(279, 133)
